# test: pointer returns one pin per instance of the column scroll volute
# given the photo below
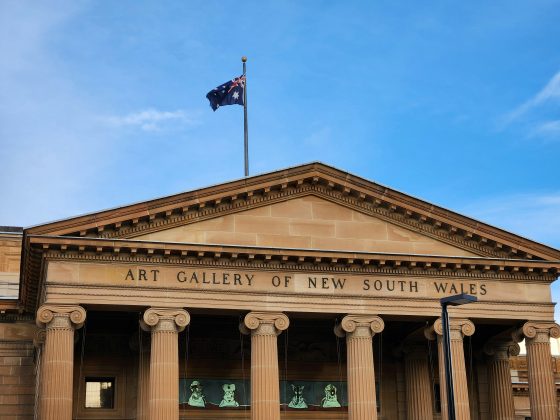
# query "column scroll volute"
(47, 313)
(459, 328)
(265, 323)
(501, 350)
(178, 318)
(537, 331)
(360, 325)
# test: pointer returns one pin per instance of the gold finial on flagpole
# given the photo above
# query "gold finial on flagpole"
(244, 59)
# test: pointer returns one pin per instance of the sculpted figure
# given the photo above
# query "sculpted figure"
(197, 398)
(229, 396)
(330, 400)
(297, 400)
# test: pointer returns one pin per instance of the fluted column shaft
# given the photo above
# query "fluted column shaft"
(359, 331)
(500, 393)
(442, 383)
(458, 329)
(418, 385)
(60, 321)
(264, 328)
(542, 390)
(165, 325)
(39, 343)
(462, 409)
(143, 396)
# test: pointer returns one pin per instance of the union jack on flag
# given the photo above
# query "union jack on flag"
(229, 93)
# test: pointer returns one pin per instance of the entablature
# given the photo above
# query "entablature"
(99, 271)
(100, 249)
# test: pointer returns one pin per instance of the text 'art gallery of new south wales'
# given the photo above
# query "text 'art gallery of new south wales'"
(305, 293)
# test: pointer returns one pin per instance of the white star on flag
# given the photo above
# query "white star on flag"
(235, 95)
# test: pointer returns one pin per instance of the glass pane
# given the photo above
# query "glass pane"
(100, 392)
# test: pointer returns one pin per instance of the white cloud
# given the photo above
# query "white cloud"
(548, 129)
(150, 119)
(550, 92)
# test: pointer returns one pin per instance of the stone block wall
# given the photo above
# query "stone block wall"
(17, 380)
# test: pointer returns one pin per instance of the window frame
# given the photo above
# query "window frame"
(119, 394)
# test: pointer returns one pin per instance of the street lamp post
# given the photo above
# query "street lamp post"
(455, 300)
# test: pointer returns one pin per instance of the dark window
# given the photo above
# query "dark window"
(100, 392)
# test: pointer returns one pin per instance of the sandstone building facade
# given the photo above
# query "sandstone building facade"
(306, 293)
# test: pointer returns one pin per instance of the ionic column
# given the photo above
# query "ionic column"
(418, 384)
(359, 330)
(264, 327)
(542, 391)
(458, 328)
(39, 343)
(165, 324)
(499, 379)
(59, 321)
(143, 393)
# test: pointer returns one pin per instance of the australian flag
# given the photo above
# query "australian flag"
(230, 93)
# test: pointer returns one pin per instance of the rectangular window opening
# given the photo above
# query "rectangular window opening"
(100, 392)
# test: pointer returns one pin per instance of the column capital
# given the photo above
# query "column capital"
(537, 331)
(39, 337)
(500, 350)
(359, 326)
(264, 323)
(458, 328)
(60, 316)
(166, 319)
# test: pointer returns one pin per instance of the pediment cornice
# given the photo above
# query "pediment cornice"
(313, 179)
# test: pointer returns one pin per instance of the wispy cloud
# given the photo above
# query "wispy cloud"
(548, 128)
(150, 119)
(535, 216)
(550, 92)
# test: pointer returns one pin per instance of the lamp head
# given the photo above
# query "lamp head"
(457, 300)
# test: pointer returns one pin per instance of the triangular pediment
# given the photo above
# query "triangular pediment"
(246, 212)
(308, 222)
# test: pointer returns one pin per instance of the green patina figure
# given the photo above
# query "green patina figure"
(197, 398)
(229, 396)
(297, 400)
(330, 400)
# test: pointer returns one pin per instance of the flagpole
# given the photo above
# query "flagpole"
(244, 60)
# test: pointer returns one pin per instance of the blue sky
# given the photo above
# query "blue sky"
(103, 103)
